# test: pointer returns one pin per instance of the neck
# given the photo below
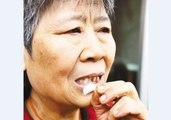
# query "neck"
(43, 109)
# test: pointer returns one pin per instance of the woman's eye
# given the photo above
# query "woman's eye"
(75, 30)
(104, 30)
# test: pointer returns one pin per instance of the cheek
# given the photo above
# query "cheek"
(110, 50)
(58, 59)
(48, 70)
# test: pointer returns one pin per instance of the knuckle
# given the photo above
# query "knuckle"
(121, 81)
(132, 90)
(130, 85)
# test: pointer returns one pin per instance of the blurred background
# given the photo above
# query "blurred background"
(128, 24)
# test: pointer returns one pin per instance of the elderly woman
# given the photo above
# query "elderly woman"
(68, 45)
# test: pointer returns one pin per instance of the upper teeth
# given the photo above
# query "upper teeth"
(95, 79)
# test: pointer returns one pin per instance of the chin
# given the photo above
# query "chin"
(84, 101)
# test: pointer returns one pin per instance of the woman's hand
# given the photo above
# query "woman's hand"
(116, 100)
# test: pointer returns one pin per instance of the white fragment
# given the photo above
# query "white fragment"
(89, 88)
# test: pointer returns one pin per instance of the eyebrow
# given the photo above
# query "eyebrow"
(83, 19)
(73, 18)
(101, 19)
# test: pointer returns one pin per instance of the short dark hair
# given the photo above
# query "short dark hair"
(34, 9)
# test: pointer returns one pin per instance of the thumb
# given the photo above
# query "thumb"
(100, 109)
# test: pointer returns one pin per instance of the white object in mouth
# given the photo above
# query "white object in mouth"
(89, 88)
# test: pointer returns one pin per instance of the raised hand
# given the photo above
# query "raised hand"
(118, 101)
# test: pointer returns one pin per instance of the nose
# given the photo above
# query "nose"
(93, 48)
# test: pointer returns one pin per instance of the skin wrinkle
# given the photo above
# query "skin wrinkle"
(45, 60)
(79, 49)
(32, 14)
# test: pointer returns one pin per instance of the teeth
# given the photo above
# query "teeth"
(94, 80)
(98, 79)
(85, 81)
(80, 81)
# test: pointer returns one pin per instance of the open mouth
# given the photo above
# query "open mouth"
(92, 78)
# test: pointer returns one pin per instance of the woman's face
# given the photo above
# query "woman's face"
(72, 46)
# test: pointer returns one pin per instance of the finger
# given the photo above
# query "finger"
(95, 98)
(127, 107)
(99, 108)
(115, 90)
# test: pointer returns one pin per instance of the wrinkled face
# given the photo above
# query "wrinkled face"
(71, 47)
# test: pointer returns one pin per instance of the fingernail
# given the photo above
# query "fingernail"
(102, 98)
(101, 87)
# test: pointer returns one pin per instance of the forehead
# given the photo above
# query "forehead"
(85, 6)
(77, 3)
